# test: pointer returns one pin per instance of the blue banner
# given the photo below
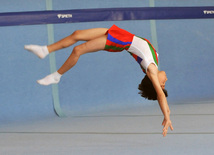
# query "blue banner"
(108, 14)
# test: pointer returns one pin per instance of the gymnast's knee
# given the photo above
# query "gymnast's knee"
(76, 35)
(77, 51)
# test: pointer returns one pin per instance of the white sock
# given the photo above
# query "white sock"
(53, 78)
(40, 51)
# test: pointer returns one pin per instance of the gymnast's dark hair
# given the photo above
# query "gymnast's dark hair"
(147, 90)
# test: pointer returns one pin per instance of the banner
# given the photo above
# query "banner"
(108, 14)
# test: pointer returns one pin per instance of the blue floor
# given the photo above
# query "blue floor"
(119, 132)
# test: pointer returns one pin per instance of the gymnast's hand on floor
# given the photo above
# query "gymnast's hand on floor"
(166, 124)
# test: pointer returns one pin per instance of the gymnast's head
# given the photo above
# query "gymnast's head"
(146, 87)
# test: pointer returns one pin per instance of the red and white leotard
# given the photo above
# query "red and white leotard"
(140, 48)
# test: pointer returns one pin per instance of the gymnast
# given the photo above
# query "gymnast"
(113, 39)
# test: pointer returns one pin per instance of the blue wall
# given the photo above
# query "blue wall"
(101, 80)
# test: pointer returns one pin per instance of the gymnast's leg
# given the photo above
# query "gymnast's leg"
(78, 35)
(87, 47)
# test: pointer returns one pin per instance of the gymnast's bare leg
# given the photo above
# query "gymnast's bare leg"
(95, 41)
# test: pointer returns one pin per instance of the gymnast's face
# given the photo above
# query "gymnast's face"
(162, 78)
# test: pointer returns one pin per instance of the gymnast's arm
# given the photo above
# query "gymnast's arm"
(152, 73)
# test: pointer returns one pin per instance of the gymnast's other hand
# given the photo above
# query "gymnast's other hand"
(166, 124)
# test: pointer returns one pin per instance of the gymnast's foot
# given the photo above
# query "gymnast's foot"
(53, 78)
(40, 51)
